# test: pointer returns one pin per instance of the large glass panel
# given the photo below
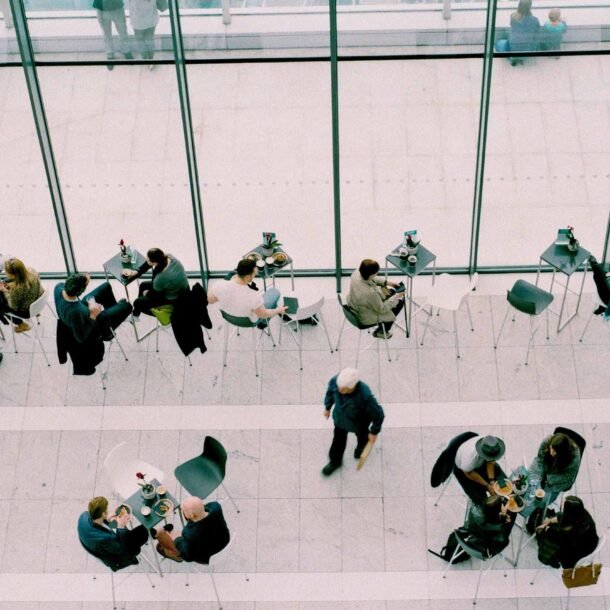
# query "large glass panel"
(263, 139)
(548, 155)
(408, 151)
(121, 159)
(28, 223)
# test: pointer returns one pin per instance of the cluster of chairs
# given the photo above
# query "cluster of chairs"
(199, 476)
(442, 476)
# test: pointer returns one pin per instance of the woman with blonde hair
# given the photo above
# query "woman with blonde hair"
(21, 288)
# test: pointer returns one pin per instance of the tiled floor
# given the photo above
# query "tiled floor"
(355, 541)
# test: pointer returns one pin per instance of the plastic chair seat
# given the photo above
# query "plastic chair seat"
(528, 298)
(199, 476)
(163, 313)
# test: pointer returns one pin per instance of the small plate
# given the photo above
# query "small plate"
(513, 507)
(254, 256)
(123, 507)
(279, 259)
(505, 491)
(163, 507)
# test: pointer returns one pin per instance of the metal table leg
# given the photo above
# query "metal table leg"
(292, 276)
(410, 298)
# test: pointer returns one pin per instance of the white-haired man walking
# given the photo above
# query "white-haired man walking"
(355, 410)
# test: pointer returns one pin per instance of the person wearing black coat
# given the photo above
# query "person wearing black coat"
(117, 547)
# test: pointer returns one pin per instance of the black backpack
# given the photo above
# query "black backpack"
(449, 549)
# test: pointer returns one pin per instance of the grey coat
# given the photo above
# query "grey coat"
(367, 301)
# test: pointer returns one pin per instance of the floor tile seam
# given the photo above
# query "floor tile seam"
(50, 515)
(287, 417)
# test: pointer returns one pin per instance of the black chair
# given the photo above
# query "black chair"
(531, 300)
(201, 475)
(351, 317)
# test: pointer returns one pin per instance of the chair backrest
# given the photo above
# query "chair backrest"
(215, 452)
(462, 539)
(39, 304)
(306, 312)
(443, 466)
(237, 321)
(583, 561)
(350, 315)
(528, 307)
(579, 440)
(224, 550)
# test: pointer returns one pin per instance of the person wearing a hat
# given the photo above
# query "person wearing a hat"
(476, 466)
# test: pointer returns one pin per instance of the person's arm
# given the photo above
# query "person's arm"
(329, 398)
(212, 298)
(376, 304)
(375, 413)
(134, 273)
(477, 478)
(263, 313)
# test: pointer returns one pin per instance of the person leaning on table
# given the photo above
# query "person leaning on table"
(476, 466)
(368, 300)
(556, 464)
(115, 547)
(490, 523)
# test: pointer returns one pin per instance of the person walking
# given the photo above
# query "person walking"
(355, 410)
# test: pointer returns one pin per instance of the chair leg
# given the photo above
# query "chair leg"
(455, 330)
(270, 334)
(2, 334)
(37, 338)
(426, 325)
(211, 570)
(255, 346)
(157, 337)
(326, 331)
(300, 344)
(385, 340)
(358, 348)
(440, 495)
(584, 329)
(469, 315)
(497, 341)
(535, 575)
(14, 340)
(230, 497)
(531, 337)
(340, 334)
(224, 355)
(119, 344)
(189, 359)
(112, 585)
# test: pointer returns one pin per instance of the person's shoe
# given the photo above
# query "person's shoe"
(1, 356)
(151, 67)
(357, 453)
(133, 319)
(599, 311)
(378, 334)
(128, 55)
(261, 325)
(110, 66)
(161, 551)
(23, 327)
(153, 533)
(330, 468)
(168, 527)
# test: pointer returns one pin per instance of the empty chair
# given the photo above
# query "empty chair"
(294, 326)
(201, 475)
(531, 300)
(448, 293)
(351, 317)
(121, 466)
(35, 310)
(238, 322)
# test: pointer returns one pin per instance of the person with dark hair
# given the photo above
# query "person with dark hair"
(476, 466)
(21, 289)
(93, 315)
(556, 464)
(169, 281)
(524, 31)
(371, 299)
(109, 12)
(602, 283)
(238, 297)
(572, 535)
(107, 537)
(490, 523)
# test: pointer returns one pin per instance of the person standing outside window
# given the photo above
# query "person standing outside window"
(109, 12)
(144, 17)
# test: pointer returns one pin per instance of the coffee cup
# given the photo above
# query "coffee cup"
(412, 259)
(402, 252)
(145, 510)
(161, 490)
(540, 493)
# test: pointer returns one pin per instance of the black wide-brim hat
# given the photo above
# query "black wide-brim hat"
(490, 448)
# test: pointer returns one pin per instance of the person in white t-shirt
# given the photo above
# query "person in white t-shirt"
(236, 298)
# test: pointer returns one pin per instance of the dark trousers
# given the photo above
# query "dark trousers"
(477, 493)
(135, 539)
(114, 313)
(337, 448)
(395, 310)
(145, 302)
(5, 308)
(602, 283)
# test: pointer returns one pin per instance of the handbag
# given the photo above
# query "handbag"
(582, 576)
(162, 5)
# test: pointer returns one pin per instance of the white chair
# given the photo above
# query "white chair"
(593, 557)
(35, 310)
(448, 293)
(294, 325)
(121, 467)
(597, 302)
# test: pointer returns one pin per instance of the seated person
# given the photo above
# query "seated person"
(238, 299)
(524, 30)
(205, 534)
(602, 283)
(556, 464)
(490, 523)
(572, 534)
(370, 302)
(476, 466)
(552, 31)
(169, 281)
(118, 546)
(21, 289)
(92, 316)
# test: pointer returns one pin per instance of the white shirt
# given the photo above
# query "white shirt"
(237, 299)
(467, 458)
